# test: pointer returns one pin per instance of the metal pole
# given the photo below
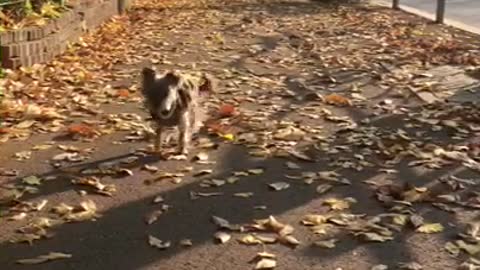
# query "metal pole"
(396, 4)
(441, 11)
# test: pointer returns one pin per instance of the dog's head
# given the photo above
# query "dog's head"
(171, 91)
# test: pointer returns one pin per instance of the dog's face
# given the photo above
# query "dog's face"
(164, 93)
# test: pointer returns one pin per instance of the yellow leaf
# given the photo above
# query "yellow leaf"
(430, 228)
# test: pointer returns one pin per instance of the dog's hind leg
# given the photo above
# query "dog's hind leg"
(184, 133)
(158, 139)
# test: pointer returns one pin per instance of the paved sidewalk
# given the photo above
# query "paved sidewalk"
(330, 136)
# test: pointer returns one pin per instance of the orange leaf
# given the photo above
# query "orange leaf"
(338, 100)
(226, 110)
(4, 130)
(123, 93)
(81, 129)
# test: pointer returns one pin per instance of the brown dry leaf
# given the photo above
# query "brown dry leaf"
(82, 130)
(288, 240)
(374, 237)
(44, 258)
(19, 216)
(265, 254)
(430, 228)
(379, 267)
(87, 211)
(243, 194)
(338, 100)
(289, 134)
(292, 165)
(104, 189)
(222, 237)
(201, 157)
(314, 220)
(410, 266)
(471, 249)
(225, 224)
(452, 248)
(150, 168)
(62, 209)
(279, 186)
(32, 180)
(155, 242)
(257, 171)
(323, 188)
(195, 195)
(340, 204)
(153, 216)
(250, 239)
(203, 172)
(186, 242)
(326, 243)
(266, 263)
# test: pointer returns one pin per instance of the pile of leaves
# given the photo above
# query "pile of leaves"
(18, 14)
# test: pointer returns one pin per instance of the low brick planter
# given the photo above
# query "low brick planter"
(31, 45)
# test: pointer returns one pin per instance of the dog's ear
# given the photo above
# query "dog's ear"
(185, 97)
(207, 86)
(148, 78)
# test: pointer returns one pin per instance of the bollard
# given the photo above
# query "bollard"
(123, 6)
(440, 11)
(396, 4)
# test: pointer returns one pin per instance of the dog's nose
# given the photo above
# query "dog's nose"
(164, 112)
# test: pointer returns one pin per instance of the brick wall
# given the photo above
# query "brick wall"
(32, 45)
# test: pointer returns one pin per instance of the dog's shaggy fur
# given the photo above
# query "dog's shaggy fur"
(173, 100)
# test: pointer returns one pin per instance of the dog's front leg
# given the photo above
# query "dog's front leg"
(184, 133)
(158, 139)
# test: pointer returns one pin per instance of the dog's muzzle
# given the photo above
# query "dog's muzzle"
(165, 113)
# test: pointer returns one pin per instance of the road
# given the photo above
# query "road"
(464, 11)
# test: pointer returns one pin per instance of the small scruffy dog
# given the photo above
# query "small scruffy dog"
(173, 100)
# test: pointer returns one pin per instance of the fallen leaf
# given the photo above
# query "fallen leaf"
(452, 248)
(379, 267)
(313, 220)
(323, 188)
(256, 171)
(19, 216)
(326, 243)
(226, 110)
(158, 199)
(44, 258)
(243, 194)
(430, 228)
(222, 237)
(150, 168)
(153, 216)
(338, 100)
(155, 242)
(32, 180)
(186, 242)
(289, 240)
(250, 240)
(374, 237)
(339, 204)
(266, 263)
(410, 266)
(201, 157)
(292, 165)
(279, 186)
(471, 249)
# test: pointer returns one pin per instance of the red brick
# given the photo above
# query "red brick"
(12, 63)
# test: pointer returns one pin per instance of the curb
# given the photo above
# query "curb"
(428, 15)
